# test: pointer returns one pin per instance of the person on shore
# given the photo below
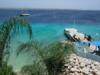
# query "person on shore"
(88, 37)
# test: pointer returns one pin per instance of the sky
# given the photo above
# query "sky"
(52, 4)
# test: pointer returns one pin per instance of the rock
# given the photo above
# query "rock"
(85, 70)
(71, 60)
(91, 74)
(81, 73)
(96, 63)
(74, 69)
(92, 66)
(97, 73)
(88, 66)
(81, 66)
(66, 65)
(76, 73)
(95, 70)
(70, 66)
(71, 74)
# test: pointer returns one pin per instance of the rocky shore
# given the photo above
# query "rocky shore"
(81, 66)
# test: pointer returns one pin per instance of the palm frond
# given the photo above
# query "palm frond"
(52, 55)
(10, 28)
(25, 47)
(7, 70)
(29, 46)
(36, 68)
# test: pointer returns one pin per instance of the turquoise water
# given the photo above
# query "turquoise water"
(46, 33)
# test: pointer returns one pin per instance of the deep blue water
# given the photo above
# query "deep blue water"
(54, 16)
(48, 26)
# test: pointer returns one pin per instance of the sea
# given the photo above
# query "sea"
(48, 26)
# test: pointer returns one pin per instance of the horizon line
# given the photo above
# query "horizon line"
(50, 9)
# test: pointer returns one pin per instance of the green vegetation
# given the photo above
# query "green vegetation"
(49, 60)
(10, 28)
(6, 70)
(7, 30)
(37, 68)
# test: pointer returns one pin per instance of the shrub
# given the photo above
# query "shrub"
(7, 70)
(51, 57)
